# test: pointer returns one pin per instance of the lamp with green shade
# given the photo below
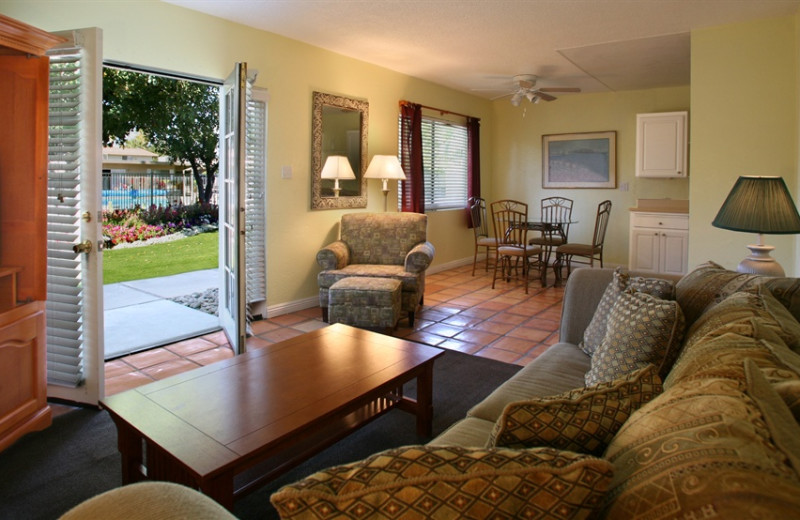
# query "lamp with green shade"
(761, 205)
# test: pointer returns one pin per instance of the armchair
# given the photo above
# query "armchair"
(384, 245)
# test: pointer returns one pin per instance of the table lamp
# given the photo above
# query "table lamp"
(761, 205)
(337, 167)
(385, 167)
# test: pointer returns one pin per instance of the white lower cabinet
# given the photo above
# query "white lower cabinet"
(659, 242)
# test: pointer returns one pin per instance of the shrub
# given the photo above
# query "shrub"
(131, 225)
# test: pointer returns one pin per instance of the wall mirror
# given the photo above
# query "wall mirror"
(339, 127)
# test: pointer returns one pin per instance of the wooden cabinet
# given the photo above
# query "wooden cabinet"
(24, 75)
(662, 144)
(659, 242)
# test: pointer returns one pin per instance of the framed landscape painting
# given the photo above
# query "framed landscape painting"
(583, 160)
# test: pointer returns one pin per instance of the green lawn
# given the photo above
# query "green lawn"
(180, 256)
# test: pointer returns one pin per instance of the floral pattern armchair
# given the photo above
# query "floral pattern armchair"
(386, 245)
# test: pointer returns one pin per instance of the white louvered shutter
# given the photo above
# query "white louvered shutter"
(255, 197)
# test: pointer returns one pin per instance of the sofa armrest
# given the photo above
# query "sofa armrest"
(335, 255)
(584, 289)
(420, 257)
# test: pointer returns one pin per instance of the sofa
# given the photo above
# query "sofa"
(665, 398)
(382, 245)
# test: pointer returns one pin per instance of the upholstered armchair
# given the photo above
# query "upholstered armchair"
(386, 245)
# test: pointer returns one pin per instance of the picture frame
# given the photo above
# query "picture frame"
(579, 160)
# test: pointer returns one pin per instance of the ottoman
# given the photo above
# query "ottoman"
(365, 302)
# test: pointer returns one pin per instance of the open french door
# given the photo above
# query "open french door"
(231, 187)
(74, 237)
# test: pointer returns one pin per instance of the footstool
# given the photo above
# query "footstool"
(365, 302)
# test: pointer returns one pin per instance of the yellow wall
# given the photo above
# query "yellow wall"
(744, 121)
(517, 170)
(180, 40)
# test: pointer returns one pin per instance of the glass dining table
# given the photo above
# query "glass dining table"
(550, 227)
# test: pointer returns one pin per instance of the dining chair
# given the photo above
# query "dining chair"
(480, 226)
(592, 252)
(554, 209)
(510, 220)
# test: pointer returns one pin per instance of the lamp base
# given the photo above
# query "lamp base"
(759, 262)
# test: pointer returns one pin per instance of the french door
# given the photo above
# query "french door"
(231, 186)
(74, 237)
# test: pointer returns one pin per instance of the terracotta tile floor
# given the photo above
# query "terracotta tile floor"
(461, 312)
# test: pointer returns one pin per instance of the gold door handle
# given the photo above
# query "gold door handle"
(83, 247)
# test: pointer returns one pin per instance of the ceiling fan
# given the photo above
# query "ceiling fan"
(526, 89)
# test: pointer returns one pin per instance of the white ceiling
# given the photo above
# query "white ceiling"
(477, 45)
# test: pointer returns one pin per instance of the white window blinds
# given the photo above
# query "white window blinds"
(444, 163)
(255, 198)
(64, 270)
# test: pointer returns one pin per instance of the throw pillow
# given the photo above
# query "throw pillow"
(707, 285)
(787, 292)
(583, 420)
(596, 330)
(452, 482)
(789, 391)
(642, 329)
(716, 447)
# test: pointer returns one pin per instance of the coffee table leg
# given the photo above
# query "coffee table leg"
(425, 400)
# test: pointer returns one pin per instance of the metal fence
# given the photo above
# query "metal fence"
(126, 190)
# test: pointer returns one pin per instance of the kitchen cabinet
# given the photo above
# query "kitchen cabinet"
(24, 77)
(659, 242)
(662, 145)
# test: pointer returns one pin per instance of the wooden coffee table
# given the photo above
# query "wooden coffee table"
(229, 427)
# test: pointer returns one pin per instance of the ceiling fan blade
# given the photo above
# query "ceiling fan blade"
(559, 89)
(546, 97)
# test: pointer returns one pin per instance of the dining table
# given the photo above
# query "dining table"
(550, 226)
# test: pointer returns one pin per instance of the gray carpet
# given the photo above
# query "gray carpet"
(46, 473)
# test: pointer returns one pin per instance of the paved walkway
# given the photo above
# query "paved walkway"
(138, 315)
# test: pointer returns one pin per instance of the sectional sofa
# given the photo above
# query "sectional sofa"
(663, 399)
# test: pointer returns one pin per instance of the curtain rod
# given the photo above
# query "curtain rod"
(440, 110)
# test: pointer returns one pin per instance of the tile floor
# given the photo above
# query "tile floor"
(461, 312)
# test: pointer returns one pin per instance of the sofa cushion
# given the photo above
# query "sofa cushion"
(452, 482)
(596, 330)
(642, 329)
(714, 447)
(740, 307)
(558, 369)
(583, 420)
(787, 292)
(789, 390)
(707, 285)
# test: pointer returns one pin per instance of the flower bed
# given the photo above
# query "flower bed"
(131, 225)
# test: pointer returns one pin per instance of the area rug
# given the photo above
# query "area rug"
(46, 473)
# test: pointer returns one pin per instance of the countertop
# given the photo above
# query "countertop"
(661, 206)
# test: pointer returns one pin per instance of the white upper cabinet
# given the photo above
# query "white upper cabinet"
(661, 144)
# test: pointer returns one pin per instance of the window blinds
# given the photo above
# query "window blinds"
(64, 269)
(255, 197)
(444, 158)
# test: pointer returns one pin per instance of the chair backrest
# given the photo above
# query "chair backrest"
(382, 238)
(557, 209)
(477, 211)
(510, 219)
(601, 223)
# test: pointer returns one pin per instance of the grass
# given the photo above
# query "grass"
(168, 258)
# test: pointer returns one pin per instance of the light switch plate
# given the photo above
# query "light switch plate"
(286, 172)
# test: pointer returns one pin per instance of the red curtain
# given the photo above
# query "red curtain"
(473, 162)
(413, 188)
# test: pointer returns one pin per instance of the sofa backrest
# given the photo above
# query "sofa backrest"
(382, 238)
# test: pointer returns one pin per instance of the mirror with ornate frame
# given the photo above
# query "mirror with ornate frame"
(338, 127)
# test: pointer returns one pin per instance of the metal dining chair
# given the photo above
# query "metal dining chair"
(510, 219)
(554, 209)
(480, 226)
(594, 251)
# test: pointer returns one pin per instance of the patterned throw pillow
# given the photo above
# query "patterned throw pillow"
(787, 292)
(583, 420)
(642, 329)
(708, 448)
(452, 482)
(709, 284)
(596, 330)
